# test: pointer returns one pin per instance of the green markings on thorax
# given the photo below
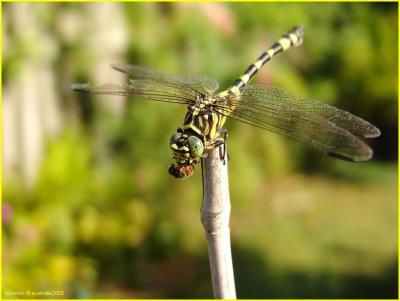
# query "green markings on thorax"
(203, 121)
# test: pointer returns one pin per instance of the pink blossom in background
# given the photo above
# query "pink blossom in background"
(220, 17)
(7, 213)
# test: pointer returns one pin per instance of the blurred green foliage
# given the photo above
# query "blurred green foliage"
(104, 219)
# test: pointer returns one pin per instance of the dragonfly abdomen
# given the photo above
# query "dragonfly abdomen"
(292, 38)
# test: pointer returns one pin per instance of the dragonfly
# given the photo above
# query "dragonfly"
(325, 128)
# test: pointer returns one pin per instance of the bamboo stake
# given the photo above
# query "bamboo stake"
(215, 213)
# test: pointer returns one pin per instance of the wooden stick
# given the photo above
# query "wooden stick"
(215, 213)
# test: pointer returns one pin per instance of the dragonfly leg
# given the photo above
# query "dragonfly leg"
(225, 134)
(215, 143)
(219, 142)
(223, 151)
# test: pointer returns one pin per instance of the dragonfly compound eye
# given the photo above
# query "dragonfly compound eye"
(196, 147)
(174, 138)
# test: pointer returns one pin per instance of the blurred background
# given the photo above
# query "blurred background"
(88, 206)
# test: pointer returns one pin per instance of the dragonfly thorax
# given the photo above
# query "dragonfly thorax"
(201, 105)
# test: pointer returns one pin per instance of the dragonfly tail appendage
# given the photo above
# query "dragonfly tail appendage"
(292, 38)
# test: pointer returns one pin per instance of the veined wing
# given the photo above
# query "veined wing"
(318, 125)
(141, 89)
(199, 83)
(258, 95)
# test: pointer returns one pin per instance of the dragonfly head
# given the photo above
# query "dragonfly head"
(187, 151)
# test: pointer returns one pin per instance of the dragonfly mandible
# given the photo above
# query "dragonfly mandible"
(330, 130)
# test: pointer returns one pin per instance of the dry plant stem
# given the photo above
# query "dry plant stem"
(215, 213)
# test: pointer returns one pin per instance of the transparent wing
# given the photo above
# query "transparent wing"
(258, 95)
(141, 89)
(202, 84)
(318, 125)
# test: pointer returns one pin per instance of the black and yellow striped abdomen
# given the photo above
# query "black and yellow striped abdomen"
(292, 38)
